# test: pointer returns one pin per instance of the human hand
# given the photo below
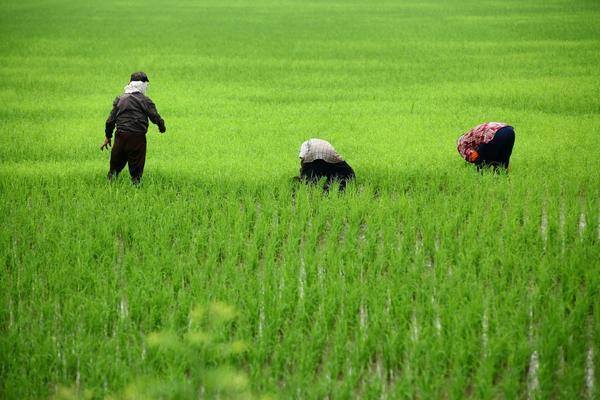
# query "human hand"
(473, 156)
(106, 144)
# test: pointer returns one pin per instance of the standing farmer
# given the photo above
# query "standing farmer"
(319, 159)
(488, 144)
(130, 114)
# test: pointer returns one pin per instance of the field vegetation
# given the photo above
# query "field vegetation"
(425, 279)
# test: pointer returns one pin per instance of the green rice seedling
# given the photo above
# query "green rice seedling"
(195, 364)
(424, 279)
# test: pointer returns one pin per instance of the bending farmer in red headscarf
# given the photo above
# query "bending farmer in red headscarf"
(488, 144)
(130, 114)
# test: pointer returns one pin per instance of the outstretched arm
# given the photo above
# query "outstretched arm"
(111, 121)
(106, 144)
(154, 116)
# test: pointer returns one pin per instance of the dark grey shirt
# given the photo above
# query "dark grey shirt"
(130, 114)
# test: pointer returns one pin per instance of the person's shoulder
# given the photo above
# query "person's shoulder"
(146, 98)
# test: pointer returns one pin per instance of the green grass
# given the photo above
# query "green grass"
(424, 280)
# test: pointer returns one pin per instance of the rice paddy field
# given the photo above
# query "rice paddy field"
(220, 277)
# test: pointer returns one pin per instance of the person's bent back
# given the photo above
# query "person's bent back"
(488, 144)
(319, 159)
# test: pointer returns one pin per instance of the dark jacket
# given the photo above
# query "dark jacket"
(130, 114)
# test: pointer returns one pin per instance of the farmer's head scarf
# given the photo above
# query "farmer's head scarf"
(136, 86)
(138, 83)
(318, 149)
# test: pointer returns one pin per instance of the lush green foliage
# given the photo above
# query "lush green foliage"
(426, 279)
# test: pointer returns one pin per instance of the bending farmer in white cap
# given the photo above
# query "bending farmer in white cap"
(319, 159)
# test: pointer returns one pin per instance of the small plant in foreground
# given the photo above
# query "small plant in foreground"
(202, 357)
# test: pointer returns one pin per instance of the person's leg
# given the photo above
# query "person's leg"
(343, 173)
(137, 157)
(488, 155)
(307, 171)
(313, 171)
(497, 151)
(505, 139)
(330, 171)
(118, 156)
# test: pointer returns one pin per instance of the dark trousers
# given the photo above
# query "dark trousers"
(129, 148)
(313, 171)
(496, 152)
